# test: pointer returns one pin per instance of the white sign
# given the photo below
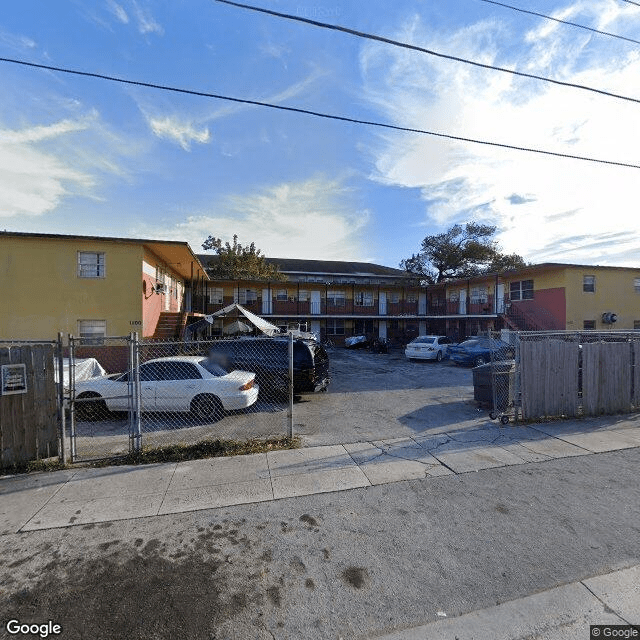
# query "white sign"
(14, 378)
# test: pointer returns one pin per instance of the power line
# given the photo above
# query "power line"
(572, 24)
(631, 2)
(317, 114)
(404, 45)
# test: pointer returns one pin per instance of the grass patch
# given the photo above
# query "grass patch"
(203, 449)
(169, 453)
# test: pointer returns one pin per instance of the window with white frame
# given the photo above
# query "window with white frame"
(247, 296)
(282, 295)
(91, 264)
(478, 295)
(589, 284)
(412, 296)
(393, 297)
(216, 295)
(363, 299)
(335, 298)
(335, 327)
(522, 290)
(92, 331)
(303, 295)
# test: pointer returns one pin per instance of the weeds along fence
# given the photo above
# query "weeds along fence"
(30, 401)
(164, 393)
(570, 374)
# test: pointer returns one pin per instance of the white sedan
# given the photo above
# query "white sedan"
(428, 348)
(176, 383)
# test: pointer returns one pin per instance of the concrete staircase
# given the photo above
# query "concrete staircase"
(169, 326)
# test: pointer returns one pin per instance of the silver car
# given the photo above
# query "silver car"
(428, 348)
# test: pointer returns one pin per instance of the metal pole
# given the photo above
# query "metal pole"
(290, 409)
(62, 436)
(72, 396)
(137, 399)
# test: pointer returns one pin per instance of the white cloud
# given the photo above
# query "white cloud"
(146, 22)
(34, 181)
(184, 133)
(463, 181)
(118, 11)
(314, 218)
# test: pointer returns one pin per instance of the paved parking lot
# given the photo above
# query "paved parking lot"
(381, 396)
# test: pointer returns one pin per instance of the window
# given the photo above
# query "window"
(92, 331)
(636, 325)
(90, 264)
(522, 290)
(412, 296)
(636, 285)
(282, 295)
(393, 297)
(303, 296)
(216, 295)
(478, 295)
(363, 299)
(335, 327)
(589, 284)
(589, 324)
(335, 298)
(247, 296)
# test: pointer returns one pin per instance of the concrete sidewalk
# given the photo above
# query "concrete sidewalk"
(91, 495)
(563, 613)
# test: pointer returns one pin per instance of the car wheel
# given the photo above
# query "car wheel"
(207, 408)
(439, 356)
(504, 419)
(479, 361)
(92, 411)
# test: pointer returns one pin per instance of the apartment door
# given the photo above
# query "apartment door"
(462, 303)
(315, 302)
(500, 298)
(382, 305)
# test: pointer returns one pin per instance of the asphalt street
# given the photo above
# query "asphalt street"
(350, 564)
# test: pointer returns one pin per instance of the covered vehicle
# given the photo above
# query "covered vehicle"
(428, 348)
(480, 350)
(175, 383)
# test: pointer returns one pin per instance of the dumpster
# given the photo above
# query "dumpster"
(493, 384)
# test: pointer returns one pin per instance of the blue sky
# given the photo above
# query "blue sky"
(86, 156)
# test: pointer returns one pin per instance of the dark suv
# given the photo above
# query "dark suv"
(268, 358)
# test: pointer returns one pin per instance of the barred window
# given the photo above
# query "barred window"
(92, 331)
(589, 284)
(90, 264)
(335, 298)
(412, 296)
(216, 295)
(363, 299)
(478, 295)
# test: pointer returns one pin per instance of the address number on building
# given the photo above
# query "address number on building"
(135, 322)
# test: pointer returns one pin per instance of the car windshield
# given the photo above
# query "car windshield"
(470, 343)
(212, 367)
(424, 340)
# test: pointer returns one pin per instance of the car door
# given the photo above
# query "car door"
(178, 383)
(149, 374)
(444, 343)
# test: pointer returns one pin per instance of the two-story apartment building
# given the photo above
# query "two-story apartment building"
(333, 299)
(548, 296)
(92, 286)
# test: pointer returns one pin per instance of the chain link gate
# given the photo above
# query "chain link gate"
(103, 397)
(503, 375)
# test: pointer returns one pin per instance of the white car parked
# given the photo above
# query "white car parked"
(428, 348)
(176, 383)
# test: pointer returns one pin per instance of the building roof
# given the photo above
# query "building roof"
(321, 267)
(177, 254)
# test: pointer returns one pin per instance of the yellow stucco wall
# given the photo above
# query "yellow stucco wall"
(541, 279)
(614, 292)
(42, 293)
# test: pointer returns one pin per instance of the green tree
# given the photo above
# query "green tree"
(460, 252)
(238, 262)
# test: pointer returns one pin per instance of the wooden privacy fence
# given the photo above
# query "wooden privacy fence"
(578, 374)
(28, 403)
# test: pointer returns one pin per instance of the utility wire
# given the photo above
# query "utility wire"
(631, 2)
(572, 24)
(404, 45)
(317, 114)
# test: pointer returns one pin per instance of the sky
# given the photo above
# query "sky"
(81, 155)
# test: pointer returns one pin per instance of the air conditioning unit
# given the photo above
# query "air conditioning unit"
(159, 287)
(609, 317)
